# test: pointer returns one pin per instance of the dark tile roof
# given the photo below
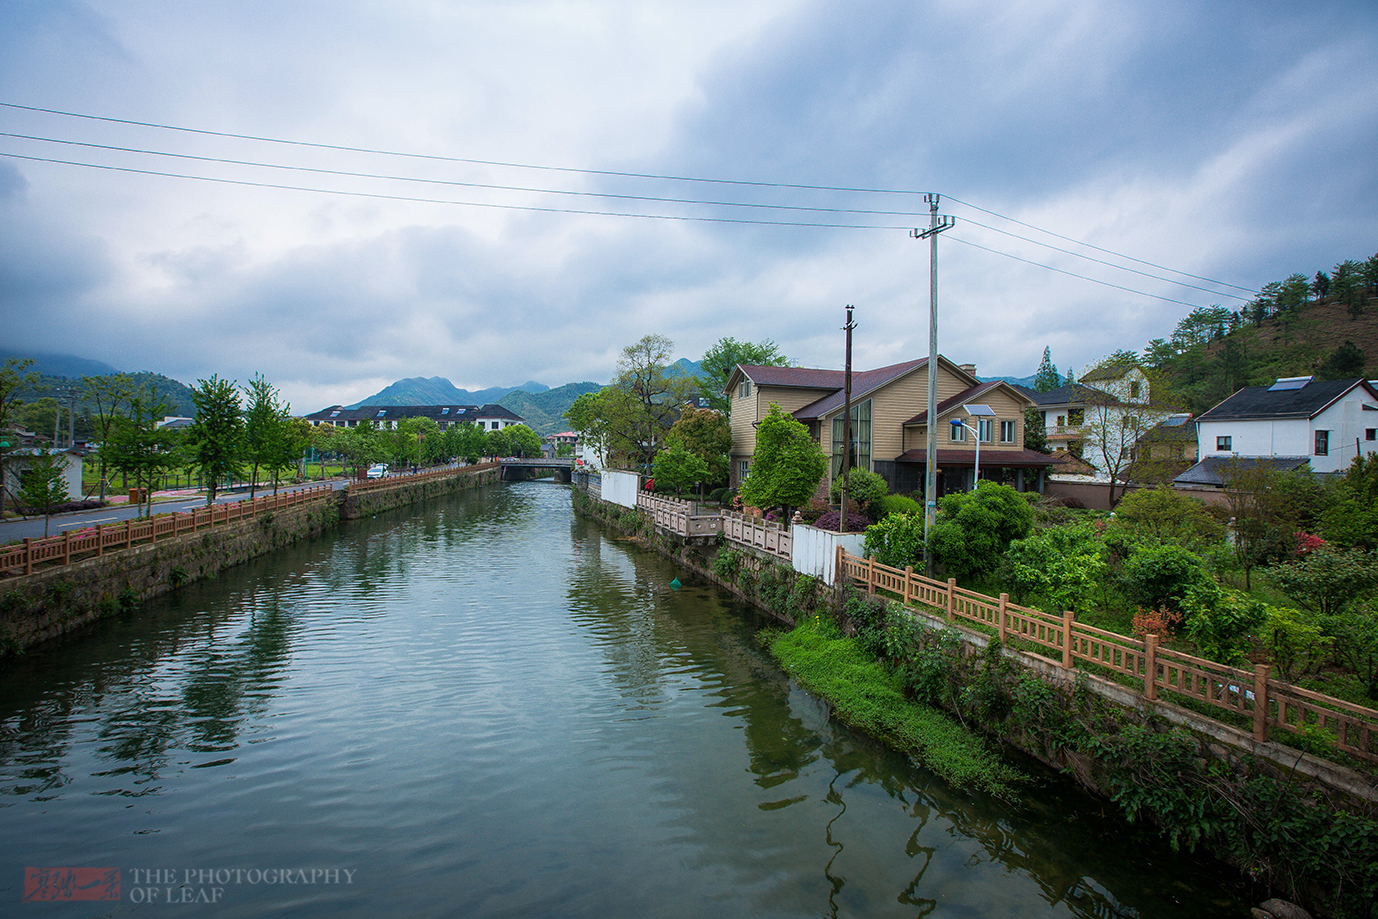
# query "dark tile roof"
(864, 383)
(1069, 394)
(1258, 402)
(800, 377)
(1109, 371)
(1213, 469)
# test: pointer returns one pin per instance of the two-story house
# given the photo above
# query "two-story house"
(492, 417)
(889, 426)
(1295, 421)
(1101, 419)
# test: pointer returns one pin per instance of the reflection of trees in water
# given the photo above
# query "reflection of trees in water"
(177, 689)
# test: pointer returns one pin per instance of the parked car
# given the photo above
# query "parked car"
(378, 471)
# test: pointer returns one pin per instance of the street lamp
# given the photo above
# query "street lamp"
(978, 411)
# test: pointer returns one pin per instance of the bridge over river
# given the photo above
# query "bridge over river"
(519, 470)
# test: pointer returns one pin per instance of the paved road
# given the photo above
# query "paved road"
(11, 530)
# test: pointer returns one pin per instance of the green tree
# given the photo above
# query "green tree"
(1116, 418)
(1163, 515)
(973, 529)
(708, 435)
(1356, 643)
(43, 485)
(137, 447)
(215, 440)
(359, 447)
(678, 468)
(896, 540)
(1059, 568)
(1350, 517)
(267, 444)
(1160, 575)
(656, 396)
(1267, 507)
(107, 398)
(787, 466)
(1344, 363)
(719, 361)
(864, 487)
(522, 441)
(323, 442)
(1035, 431)
(1328, 580)
(1046, 379)
(13, 383)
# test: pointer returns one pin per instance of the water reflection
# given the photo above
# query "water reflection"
(492, 708)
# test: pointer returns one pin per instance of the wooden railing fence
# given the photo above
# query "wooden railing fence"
(75, 545)
(1266, 702)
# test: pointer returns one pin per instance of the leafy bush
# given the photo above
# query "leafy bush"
(1162, 514)
(1356, 643)
(1298, 645)
(897, 540)
(815, 509)
(1328, 580)
(863, 487)
(898, 504)
(1058, 568)
(973, 529)
(832, 520)
(1219, 620)
(1160, 575)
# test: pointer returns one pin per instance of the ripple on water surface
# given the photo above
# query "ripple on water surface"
(486, 707)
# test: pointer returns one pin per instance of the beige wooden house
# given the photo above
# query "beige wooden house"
(890, 424)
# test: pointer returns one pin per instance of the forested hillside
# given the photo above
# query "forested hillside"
(1325, 327)
(544, 412)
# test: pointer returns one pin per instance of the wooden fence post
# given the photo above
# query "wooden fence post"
(839, 565)
(100, 540)
(951, 599)
(28, 555)
(1068, 618)
(871, 576)
(908, 582)
(1150, 667)
(129, 533)
(1004, 603)
(1261, 702)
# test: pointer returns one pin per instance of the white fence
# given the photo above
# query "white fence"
(621, 487)
(815, 551)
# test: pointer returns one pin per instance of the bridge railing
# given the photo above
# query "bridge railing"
(680, 517)
(75, 545)
(407, 478)
(771, 538)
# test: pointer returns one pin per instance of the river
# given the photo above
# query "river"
(485, 706)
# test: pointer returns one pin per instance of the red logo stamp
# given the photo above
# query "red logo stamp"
(71, 884)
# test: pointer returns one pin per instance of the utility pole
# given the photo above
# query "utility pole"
(847, 415)
(930, 491)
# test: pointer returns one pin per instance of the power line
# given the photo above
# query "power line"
(1131, 258)
(659, 177)
(483, 204)
(455, 183)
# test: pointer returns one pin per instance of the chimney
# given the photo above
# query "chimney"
(968, 368)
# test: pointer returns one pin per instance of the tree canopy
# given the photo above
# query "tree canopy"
(630, 417)
(216, 438)
(720, 360)
(787, 465)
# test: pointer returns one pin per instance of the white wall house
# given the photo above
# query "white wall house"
(1099, 419)
(1327, 422)
(18, 461)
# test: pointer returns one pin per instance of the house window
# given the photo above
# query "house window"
(1062, 421)
(1133, 389)
(956, 433)
(1007, 432)
(743, 467)
(1322, 443)
(1076, 416)
(1371, 434)
(861, 439)
(495, 425)
(983, 429)
(1223, 443)
(744, 391)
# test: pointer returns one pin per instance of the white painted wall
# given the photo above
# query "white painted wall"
(621, 487)
(815, 550)
(1347, 421)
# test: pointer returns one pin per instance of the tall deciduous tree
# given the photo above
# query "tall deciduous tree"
(1118, 413)
(107, 397)
(266, 440)
(139, 448)
(708, 435)
(43, 485)
(787, 465)
(215, 439)
(630, 417)
(13, 382)
(720, 360)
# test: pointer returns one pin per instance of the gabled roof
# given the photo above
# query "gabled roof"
(1111, 371)
(338, 413)
(1254, 402)
(792, 377)
(1213, 469)
(864, 383)
(994, 459)
(966, 395)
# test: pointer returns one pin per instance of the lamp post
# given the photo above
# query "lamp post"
(978, 411)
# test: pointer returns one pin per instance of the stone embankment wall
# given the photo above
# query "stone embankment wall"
(52, 602)
(49, 603)
(365, 503)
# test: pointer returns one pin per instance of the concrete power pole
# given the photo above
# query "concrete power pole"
(930, 492)
(846, 416)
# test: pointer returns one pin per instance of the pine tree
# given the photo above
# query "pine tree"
(1047, 378)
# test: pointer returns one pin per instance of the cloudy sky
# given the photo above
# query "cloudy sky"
(451, 188)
